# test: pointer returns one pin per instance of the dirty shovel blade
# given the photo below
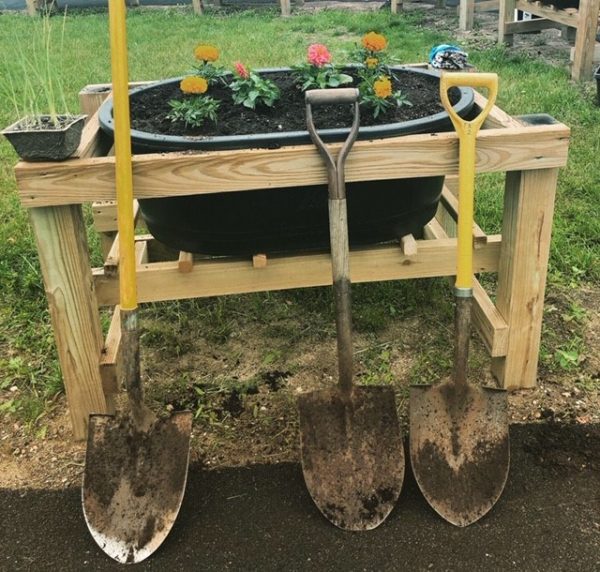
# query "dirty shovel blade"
(352, 454)
(459, 448)
(134, 482)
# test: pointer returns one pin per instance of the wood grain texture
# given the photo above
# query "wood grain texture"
(185, 263)
(585, 40)
(163, 281)
(506, 15)
(560, 16)
(466, 14)
(176, 174)
(64, 259)
(527, 227)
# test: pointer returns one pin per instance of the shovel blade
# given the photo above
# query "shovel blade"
(134, 482)
(459, 448)
(352, 454)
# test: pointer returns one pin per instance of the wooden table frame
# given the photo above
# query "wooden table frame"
(583, 21)
(54, 192)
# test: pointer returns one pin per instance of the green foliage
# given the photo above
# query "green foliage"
(371, 98)
(254, 90)
(211, 73)
(194, 110)
(319, 77)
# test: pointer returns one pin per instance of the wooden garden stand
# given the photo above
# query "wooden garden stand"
(54, 192)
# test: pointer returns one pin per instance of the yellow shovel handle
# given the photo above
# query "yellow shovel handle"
(123, 174)
(467, 132)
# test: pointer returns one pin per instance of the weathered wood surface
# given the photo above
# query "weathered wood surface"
(78, 181)
(527, 227)
(585, 41)
(64, 259)
(163, 280)
(560, 16)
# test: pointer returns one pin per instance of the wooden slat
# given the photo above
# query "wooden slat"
(163, 281)
(259, 261)
(487, 6)
(111, 262)
(585, 39)
(487, 320)
(561, 16)
(449, 202)
(177, 174)
(527, 26)
(408, 245)
(89, 146)
(186, 262)
(111, 354)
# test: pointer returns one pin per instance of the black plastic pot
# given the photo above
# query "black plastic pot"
(296, 218)
(45, 144)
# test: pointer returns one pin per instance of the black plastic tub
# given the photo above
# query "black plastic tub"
(295, 218)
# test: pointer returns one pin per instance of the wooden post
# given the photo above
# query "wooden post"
(286, 8)
(505, 16)
(585, 40)
(31, 7)
(394, 6)
(526, 231)
(64, 259)
(197, 5)
(466, 15)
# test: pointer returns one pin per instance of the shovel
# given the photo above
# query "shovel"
(351, 446)
(136, 464)
(459, 446)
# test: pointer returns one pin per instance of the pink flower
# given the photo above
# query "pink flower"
(318, 55)
(242, 70)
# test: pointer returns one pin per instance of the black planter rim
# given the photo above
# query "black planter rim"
(165, 143)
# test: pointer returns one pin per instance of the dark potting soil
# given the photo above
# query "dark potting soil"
(149, 108)
(262, 518)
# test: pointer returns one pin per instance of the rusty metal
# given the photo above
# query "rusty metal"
(350, 440)
(135, 467)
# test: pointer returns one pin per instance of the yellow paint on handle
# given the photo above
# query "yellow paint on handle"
(467, 134)
(123, 174)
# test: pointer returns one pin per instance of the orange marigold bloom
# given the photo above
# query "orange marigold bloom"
(371, 62)
(374, 42)
(206, 53)
(193, 84)
(382, 87)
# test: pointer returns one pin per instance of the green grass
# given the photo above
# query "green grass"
(161, 44)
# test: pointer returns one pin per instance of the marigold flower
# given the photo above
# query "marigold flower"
(193, 84)
(206, 53)
(241, 70)
(318, 55)
(382, 87)
(371, 62)
(374, 42)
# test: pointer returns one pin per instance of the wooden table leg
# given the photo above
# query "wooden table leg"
(526, 232)
(64, 259)
(585, 40)
(466, 15)
(506, 15)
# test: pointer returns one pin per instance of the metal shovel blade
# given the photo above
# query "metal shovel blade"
(134, 482)
(352, 454)
(459, 448)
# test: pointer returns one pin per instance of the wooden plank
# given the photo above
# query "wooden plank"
(259, 261)
(62, 247)
(528, 26)
(394, 6)
(497, 118)
(163, 281)
(466, 13)
(595, 56)
(141, 252)
(176, 174)
(286, 8)
(583, 61)
(104, 214)
(487, 320)
(186, 262)
(92, 97)
(408, 245)
(111, 262)
(89, 146)
(487, 6)
(31, 7)
(560, 16)
(506, 15)
(526, 232)
(197, 6)
(111, 355)
(449, 202)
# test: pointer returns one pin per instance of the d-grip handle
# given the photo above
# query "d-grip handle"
(474, 80)
(334, 96)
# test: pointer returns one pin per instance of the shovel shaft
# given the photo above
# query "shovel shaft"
(123, 174)
(338, 223)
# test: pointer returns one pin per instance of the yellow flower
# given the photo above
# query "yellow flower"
(371, 62)
(206, 53)
(382, 87)
(374, 42)
(193, 84)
